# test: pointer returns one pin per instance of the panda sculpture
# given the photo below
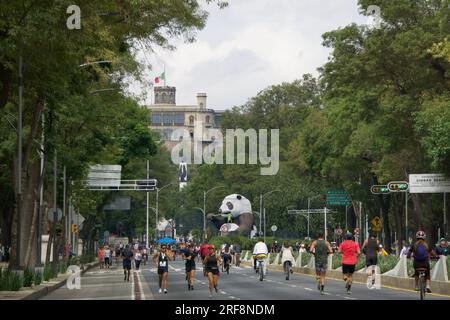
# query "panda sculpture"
(240, 209)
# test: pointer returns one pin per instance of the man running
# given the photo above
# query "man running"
(370, 248)
(189, 255)
(350, 252)
(163, 267)
(204, 251)
(321, 248)
(421, 253)
(127, 255)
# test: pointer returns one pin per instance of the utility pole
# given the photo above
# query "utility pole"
(146, 219)
(260, 213)
(19, 165)
(309, 204)
(55, 207)
(406, 217)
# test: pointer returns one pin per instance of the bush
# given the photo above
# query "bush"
(361, 263)
(337, 261)
(47, 275)
(62, 267)
(387, 263)
(10, 281)
(37, 278)
(306, 257)
(27, 277)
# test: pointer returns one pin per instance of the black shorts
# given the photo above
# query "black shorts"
(127, 264)
(190, 267)
(163, 270)
(213, 271)
(348, 268)
(371, 261)
(422, 265)
(106, 260)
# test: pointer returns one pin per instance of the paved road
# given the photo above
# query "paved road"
(240, 284)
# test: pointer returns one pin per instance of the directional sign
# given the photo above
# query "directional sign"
(398, 186)
(429, 183)
(338, 197)
(310, 211)
(380, 189)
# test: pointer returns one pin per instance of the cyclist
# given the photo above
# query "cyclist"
(321, 248)
(260, 249)
(211, 263)
(421, 252)
(370, 248)
(163, 267)
(189, 255)
(350, 252)
(287, 257)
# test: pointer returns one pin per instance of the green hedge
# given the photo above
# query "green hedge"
(387, 263)
(37, 279)
(28, 277)
(10, 281)
(306, 257)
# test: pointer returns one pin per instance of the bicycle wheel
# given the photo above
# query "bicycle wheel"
(261, 272)
(421, 287)
(288, 271)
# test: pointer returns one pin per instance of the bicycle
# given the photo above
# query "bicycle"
(422, 282)
(260, 269)
(287, 269)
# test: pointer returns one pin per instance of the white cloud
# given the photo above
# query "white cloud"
(250, 45)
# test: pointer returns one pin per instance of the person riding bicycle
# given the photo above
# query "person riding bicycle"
(421, 253)
(260, 251)
(287, 257)
(442, 248)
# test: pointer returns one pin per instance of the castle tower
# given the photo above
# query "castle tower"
(165, 95)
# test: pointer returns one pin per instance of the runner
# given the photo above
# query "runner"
(189, 255)
(350, 252)
(237, 251)
(137, 258)
(370, 248)
(211, 263)
(204, 250)
(321, 248)
(163, 267)
(127, 255)
(145, 255)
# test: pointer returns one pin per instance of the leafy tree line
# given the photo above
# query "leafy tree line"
(64, 108)
(378, 112)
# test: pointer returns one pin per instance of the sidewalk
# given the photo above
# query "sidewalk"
(41, 290)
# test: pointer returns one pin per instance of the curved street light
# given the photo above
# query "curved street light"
(158, 190)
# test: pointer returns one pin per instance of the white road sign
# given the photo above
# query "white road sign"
(104, 175)
(274, 228)
(429, 183)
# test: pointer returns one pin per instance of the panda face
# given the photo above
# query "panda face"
(235, 204)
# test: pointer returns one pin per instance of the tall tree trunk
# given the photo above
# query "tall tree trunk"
(49, 248)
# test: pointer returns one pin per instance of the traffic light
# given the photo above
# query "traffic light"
(379, 189)
(74, 228)
(398, 186)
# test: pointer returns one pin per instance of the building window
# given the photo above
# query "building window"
(191, 120)
(168, 119)
(156, 118)
(201, 104)
(179, 118)
(207, 119)
(167, 134)
(164, 97)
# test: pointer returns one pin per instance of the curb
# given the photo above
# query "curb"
(48, 289)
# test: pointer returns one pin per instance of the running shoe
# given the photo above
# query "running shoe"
(160, 290)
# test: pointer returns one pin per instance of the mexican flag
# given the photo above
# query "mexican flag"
(161, 77)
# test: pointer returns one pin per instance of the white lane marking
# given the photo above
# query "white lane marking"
(328, 294)
(223, 292)
(132, 288)
(349, 298)
(309, 289)
(103, 298)
(141, 289)
(292, 286)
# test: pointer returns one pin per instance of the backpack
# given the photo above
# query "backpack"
(420, 252)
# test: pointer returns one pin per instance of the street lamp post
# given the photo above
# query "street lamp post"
(204, 209)
(158, 190)
(263, 211)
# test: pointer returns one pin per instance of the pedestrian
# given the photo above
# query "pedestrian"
(321, 248)
(127, 256)
(161, 259)
(211, 263)
(237, 252)
(107, 256)
(350, 252)
(137, 259)
(442, 248)
(101, 257)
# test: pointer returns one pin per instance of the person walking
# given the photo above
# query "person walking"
(107, 255)
(350, 252)
(321, 248)
(101, 257)
(127, 256)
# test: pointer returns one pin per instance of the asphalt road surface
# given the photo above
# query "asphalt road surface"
(241, 284)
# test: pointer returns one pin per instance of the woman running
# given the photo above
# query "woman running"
(189, 256)
(163, 267)
(211, 263)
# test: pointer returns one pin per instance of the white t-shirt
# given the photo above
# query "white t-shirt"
(107, 253)
(138, 256)
(260, 247)
(286, 254)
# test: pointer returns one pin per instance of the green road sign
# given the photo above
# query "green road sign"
(379, 189)
(338, 197)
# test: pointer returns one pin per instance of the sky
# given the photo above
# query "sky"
(248, 46)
